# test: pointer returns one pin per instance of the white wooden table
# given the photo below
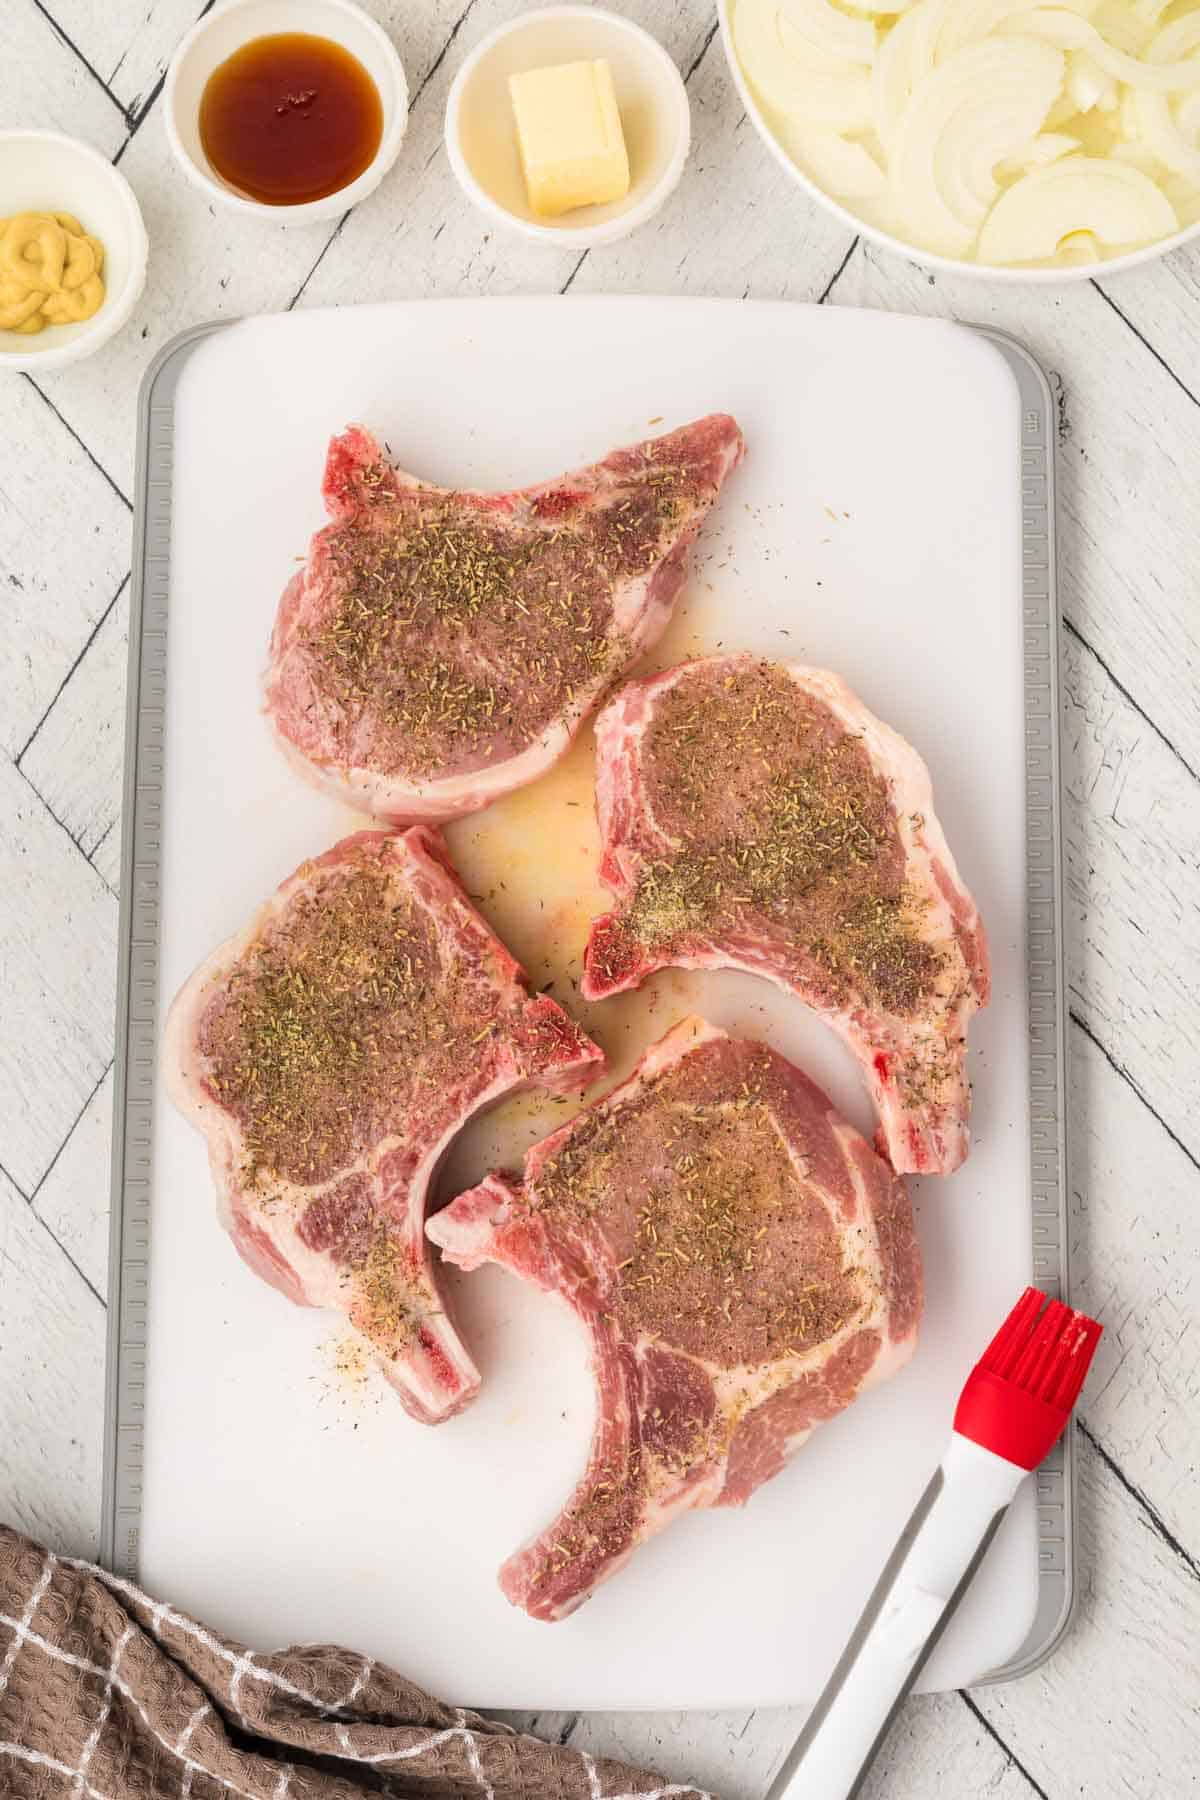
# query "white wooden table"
(1117, 1711)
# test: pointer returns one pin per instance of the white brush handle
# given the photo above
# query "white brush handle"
(945, 1539)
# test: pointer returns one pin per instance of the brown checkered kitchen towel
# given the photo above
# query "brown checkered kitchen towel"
(108, 1695)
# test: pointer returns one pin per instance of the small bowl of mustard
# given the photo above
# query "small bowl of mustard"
(569, 126)
(288, 110)
(73, 250)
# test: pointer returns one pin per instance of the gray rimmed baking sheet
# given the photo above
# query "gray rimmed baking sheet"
(140, 1002)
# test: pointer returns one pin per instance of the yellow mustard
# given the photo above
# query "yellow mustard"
(50, 271)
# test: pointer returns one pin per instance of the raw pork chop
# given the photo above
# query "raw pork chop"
(744, 1264)
(756, 816)
(329, 1052)
(440, 648)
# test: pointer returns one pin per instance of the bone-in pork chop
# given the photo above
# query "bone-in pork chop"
(442, 647)
(744, 1264)
(756, 816)
(329, 1052)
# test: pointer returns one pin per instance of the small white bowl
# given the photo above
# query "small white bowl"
(1011, 276)
(45, 171)
(220, 33)
(481, 133)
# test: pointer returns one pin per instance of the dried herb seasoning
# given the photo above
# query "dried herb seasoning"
(459, 634)
(777, 818)
(712, 1263)
(308, 1041)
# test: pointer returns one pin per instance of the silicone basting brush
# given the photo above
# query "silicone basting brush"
(1010, 1414)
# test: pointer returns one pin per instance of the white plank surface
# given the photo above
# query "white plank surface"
(1115, 1713)
(72, 1200)
(127, 46)
(52, 1391)
(938, 1747)
(57, 934)
(43, 84)
(75, 757)
(57, 581)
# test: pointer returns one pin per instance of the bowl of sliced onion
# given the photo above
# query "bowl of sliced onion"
(1016, 142)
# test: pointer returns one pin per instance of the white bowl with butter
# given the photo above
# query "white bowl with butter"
(482, 132)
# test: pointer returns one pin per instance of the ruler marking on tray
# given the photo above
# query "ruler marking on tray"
(1045, 978)
(138, 997)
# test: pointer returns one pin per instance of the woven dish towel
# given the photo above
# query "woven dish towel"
(106, 1694)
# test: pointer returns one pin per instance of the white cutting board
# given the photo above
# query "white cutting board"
(874, 527)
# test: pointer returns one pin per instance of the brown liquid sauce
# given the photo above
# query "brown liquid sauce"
(290, 118)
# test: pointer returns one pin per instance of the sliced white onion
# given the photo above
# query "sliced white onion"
(1122, 26)
(1055, 25)
(807, 25)
(1184, 197)
(1187, 116)
(969, 21)
(1042, 150)
(1180, 38)
(1127, 123)
(839, 100)
(1078, 247)
(964, 22)
(1017, 131)
(1138, 157)
(1161, 135)
(1118, 205)
(976, 109)
(1061, 113)
(810, 57)
(1088, 86)
(1182, 131)
(931, 32)
(838, 164)
(907, 56)
(894, 74)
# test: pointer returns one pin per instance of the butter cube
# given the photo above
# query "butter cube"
(569, 131)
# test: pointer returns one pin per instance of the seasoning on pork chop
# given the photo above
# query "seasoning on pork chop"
(756, 816)
(442, 647)
(745, 1266)
(329, 1053)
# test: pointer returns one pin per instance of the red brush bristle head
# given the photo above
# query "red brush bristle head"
(1020, 1391)
(1047, 1353)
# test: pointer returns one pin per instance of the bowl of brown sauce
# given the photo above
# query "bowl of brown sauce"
(290, 109)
